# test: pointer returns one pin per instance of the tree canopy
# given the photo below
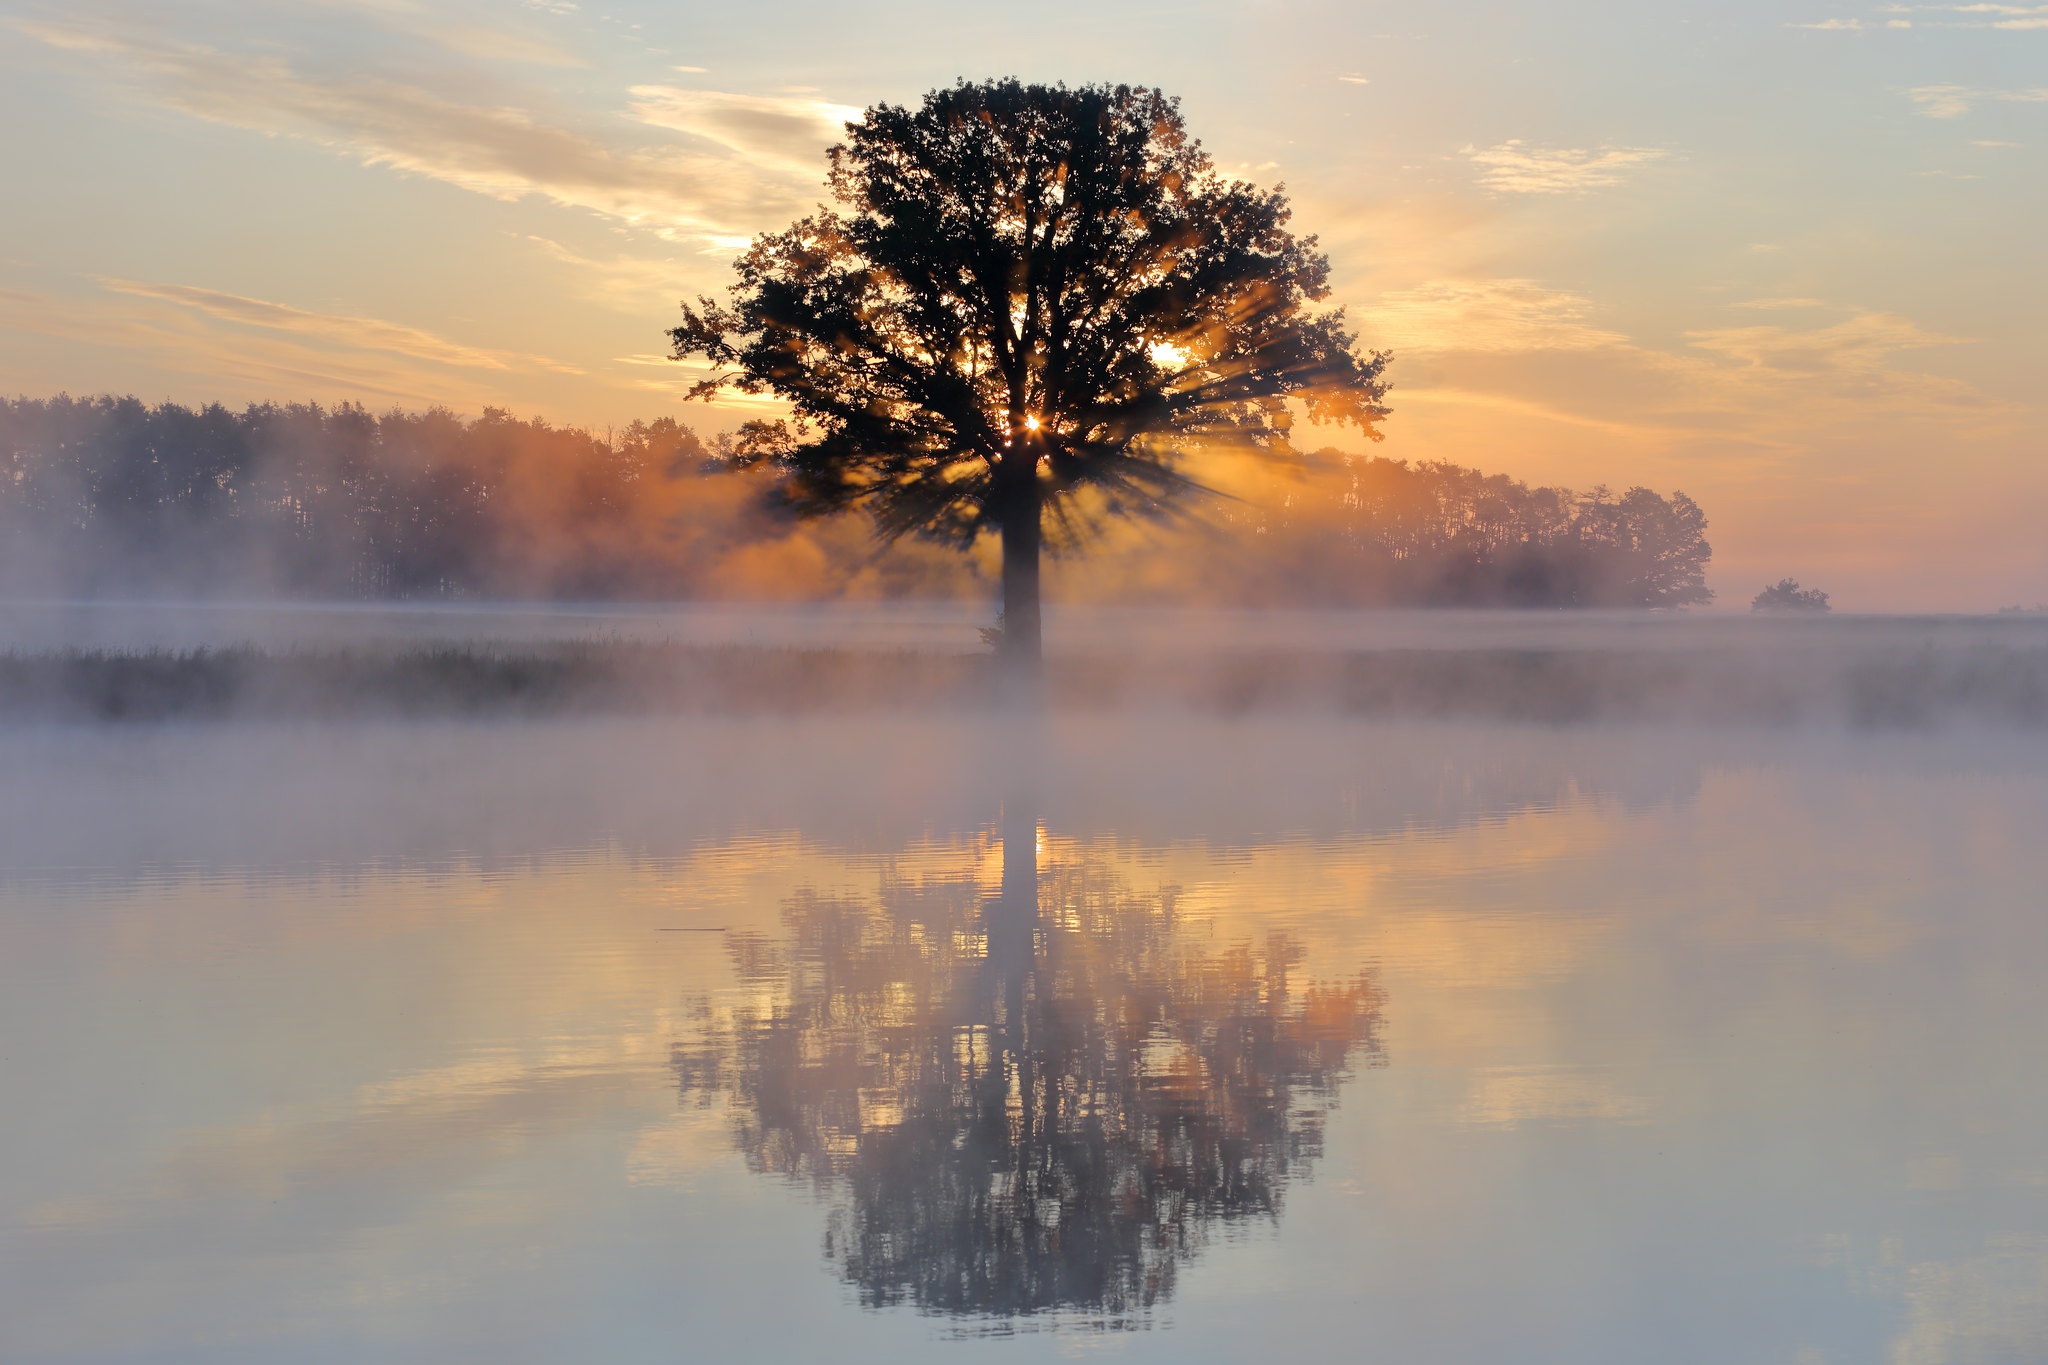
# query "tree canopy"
(1028, 293)
(108, 496)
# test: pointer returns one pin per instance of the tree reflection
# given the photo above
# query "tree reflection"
(1039, 1101)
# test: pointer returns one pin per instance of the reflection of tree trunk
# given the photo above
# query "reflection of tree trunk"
(1022, 646)
(1045, 1115)
(1013, 915)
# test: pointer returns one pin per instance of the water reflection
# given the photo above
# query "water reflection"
(1037, 1102)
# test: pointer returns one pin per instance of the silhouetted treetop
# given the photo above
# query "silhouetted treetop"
(1029, 292)
(1026, 266)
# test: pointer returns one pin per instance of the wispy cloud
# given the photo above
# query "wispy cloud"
(2006, 16)
(1515, 167)
(723, 192)
(373, 334)
(1982, 16)
(1776, 304)
(1849, 360)
(629, 284)
(222, 362)
(790, 131)
(1954, 101)
(1491, 316)
(466, 28)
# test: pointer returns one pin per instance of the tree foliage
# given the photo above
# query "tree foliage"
(1376, 532)
(1787, 595)
(111, 496)
(1028, 293)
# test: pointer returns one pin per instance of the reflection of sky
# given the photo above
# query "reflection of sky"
(1777, 255)
(1722, 1053)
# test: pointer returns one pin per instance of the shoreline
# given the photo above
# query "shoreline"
(1882, 684)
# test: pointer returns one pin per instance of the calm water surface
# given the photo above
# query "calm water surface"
(652, 1041)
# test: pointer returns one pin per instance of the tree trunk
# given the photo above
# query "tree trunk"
(1023, 648)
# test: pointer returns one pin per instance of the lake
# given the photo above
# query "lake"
(1130, 1035)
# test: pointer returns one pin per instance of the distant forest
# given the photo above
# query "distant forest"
(112, 497)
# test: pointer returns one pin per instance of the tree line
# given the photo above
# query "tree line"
(1380, 532)
(109, 496)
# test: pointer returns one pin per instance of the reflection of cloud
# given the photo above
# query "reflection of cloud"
(671, 1154)
(1989, 1307)
(499, 149)
(1484, 315)
(372, 334)
(403, 1132)
(1518, 168)
(1509, 1097)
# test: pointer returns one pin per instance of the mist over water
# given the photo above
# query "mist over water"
(215, 660)
(1152, 1031)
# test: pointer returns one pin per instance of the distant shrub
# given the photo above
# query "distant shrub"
(1787, 595)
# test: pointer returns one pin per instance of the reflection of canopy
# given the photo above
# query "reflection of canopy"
(1025, 1103)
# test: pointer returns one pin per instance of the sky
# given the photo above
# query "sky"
(1786, 257)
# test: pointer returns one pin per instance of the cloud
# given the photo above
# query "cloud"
(1953, 101)
(1353, 78)
(790, 131)
(1497, 316)
(1858, 342)
(501, 149)
(488, 36)
(2008, 16)
(1515, 167)
(370, 334)
(630, 284)
(1850, 360)
(1982, 16)
(223, 363)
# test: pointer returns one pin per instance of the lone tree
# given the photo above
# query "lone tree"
(1787, 595)
(1034, 300)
